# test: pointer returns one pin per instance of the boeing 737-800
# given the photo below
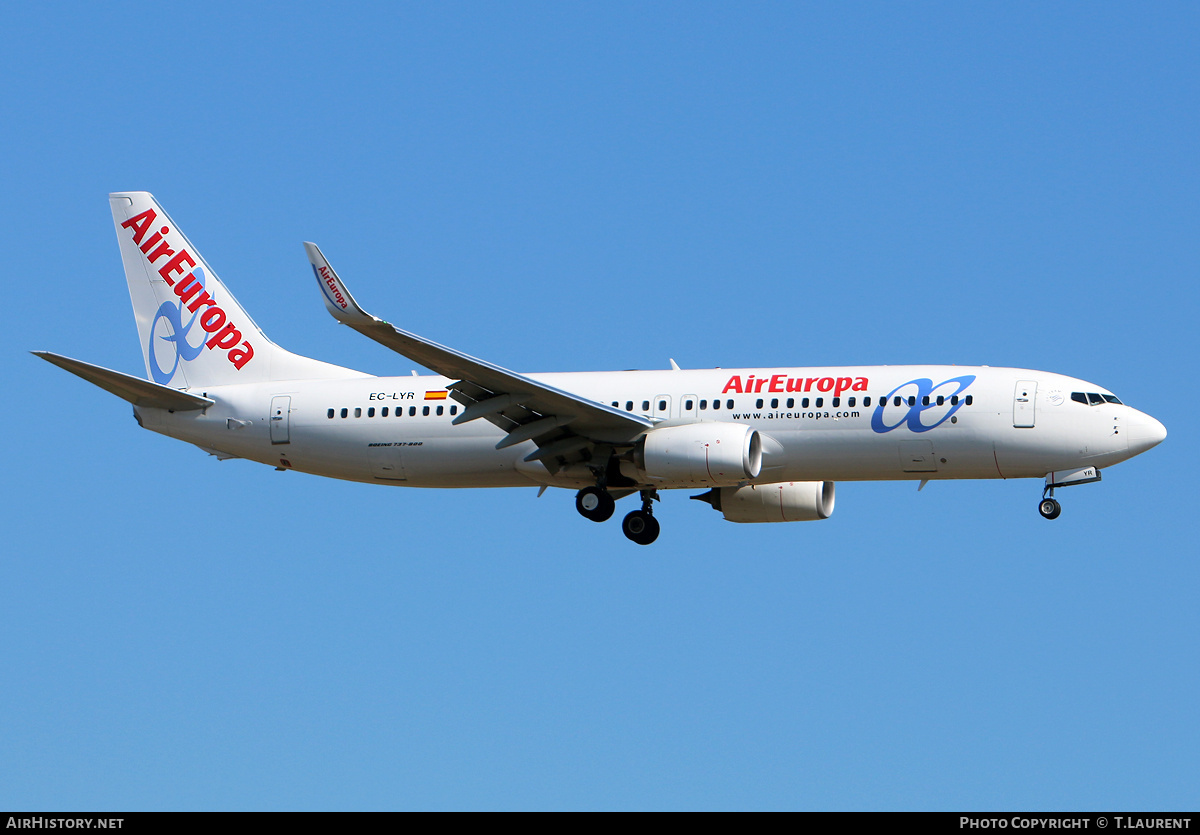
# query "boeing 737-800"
(768, 444)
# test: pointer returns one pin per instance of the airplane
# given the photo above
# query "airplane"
(766, 444)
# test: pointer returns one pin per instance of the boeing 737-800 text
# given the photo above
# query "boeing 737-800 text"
(767, 444)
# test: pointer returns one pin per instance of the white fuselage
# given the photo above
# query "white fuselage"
(817, 424)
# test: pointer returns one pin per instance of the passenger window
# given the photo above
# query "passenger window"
(345, 412)
(729, 403)
(454, 410)
(850, 402)
(820, 402)
(371, 412)
(412, 411)
(774, 402)
(758, 403)
(1094, 399)
(383, 412)
(440, 409)
(425, 411)
(614, 404)
(866, 401)
(791, 402)
(898, 401)
(662, 405)
(941, 400)
(629, 405)
(925, 400)
(716, 404)
(954, 400)
(703, 405)
(645, 405)
(969, 399)
(912, 401)
(804, 403)
(1079, 397)
(688, 405)
(330, 414)
(837, 401)
(357, 411)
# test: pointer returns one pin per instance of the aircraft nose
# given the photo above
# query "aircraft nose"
(1145, 432)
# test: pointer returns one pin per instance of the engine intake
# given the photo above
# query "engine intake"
(788, 501)
(709, 454)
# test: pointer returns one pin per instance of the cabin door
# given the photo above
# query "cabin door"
(281, 408)
(1024, 404)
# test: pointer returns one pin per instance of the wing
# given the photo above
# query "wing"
(564, 426)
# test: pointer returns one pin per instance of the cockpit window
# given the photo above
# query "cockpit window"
(1079, 397)
(1112, 399)
(1094, 399)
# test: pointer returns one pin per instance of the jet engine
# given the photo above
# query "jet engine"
(708, 454)
(788, 501)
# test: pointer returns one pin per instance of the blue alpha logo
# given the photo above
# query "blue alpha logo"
(177, 339)
(920, 404)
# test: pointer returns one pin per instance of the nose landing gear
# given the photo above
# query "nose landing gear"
(1049, 506)
(640, 526)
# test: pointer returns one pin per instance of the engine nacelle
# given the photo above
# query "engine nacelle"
(787, 501)
(709, 454)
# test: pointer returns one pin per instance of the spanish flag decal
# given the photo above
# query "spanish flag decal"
(436, 395)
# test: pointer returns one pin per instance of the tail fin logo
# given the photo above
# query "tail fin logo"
(189, 287)
(177, 337)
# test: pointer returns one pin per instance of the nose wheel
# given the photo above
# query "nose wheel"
(595, 503)
(1049, 506)
(640, 526)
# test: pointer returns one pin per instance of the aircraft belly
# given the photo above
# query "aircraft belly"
(863, 455)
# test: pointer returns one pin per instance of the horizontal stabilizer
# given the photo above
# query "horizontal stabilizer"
(137, 391)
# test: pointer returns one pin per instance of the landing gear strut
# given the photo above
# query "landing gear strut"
(1049, 506)
(640, 526)
(595, 503)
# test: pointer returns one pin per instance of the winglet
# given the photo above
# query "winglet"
(338, 300)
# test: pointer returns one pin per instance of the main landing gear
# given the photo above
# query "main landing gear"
(640, 526)
(595, 503)
(1049, 506)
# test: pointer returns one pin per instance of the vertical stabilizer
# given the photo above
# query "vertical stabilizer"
(193, 331)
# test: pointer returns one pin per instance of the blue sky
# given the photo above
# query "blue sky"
(598, 186)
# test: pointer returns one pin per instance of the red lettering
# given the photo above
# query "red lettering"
(175, 265)
(202, 299)
(227, 338)
(860, 384)
(213, 319)
(140, 223)
(153, 239)
(824, 384)
(240, 357)
(808, 383)
(188, 287)
(163, 249)
(758, 384)
(843, 384)
(734, 384)
(332, 285)
(777, 382)
(795, 384)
